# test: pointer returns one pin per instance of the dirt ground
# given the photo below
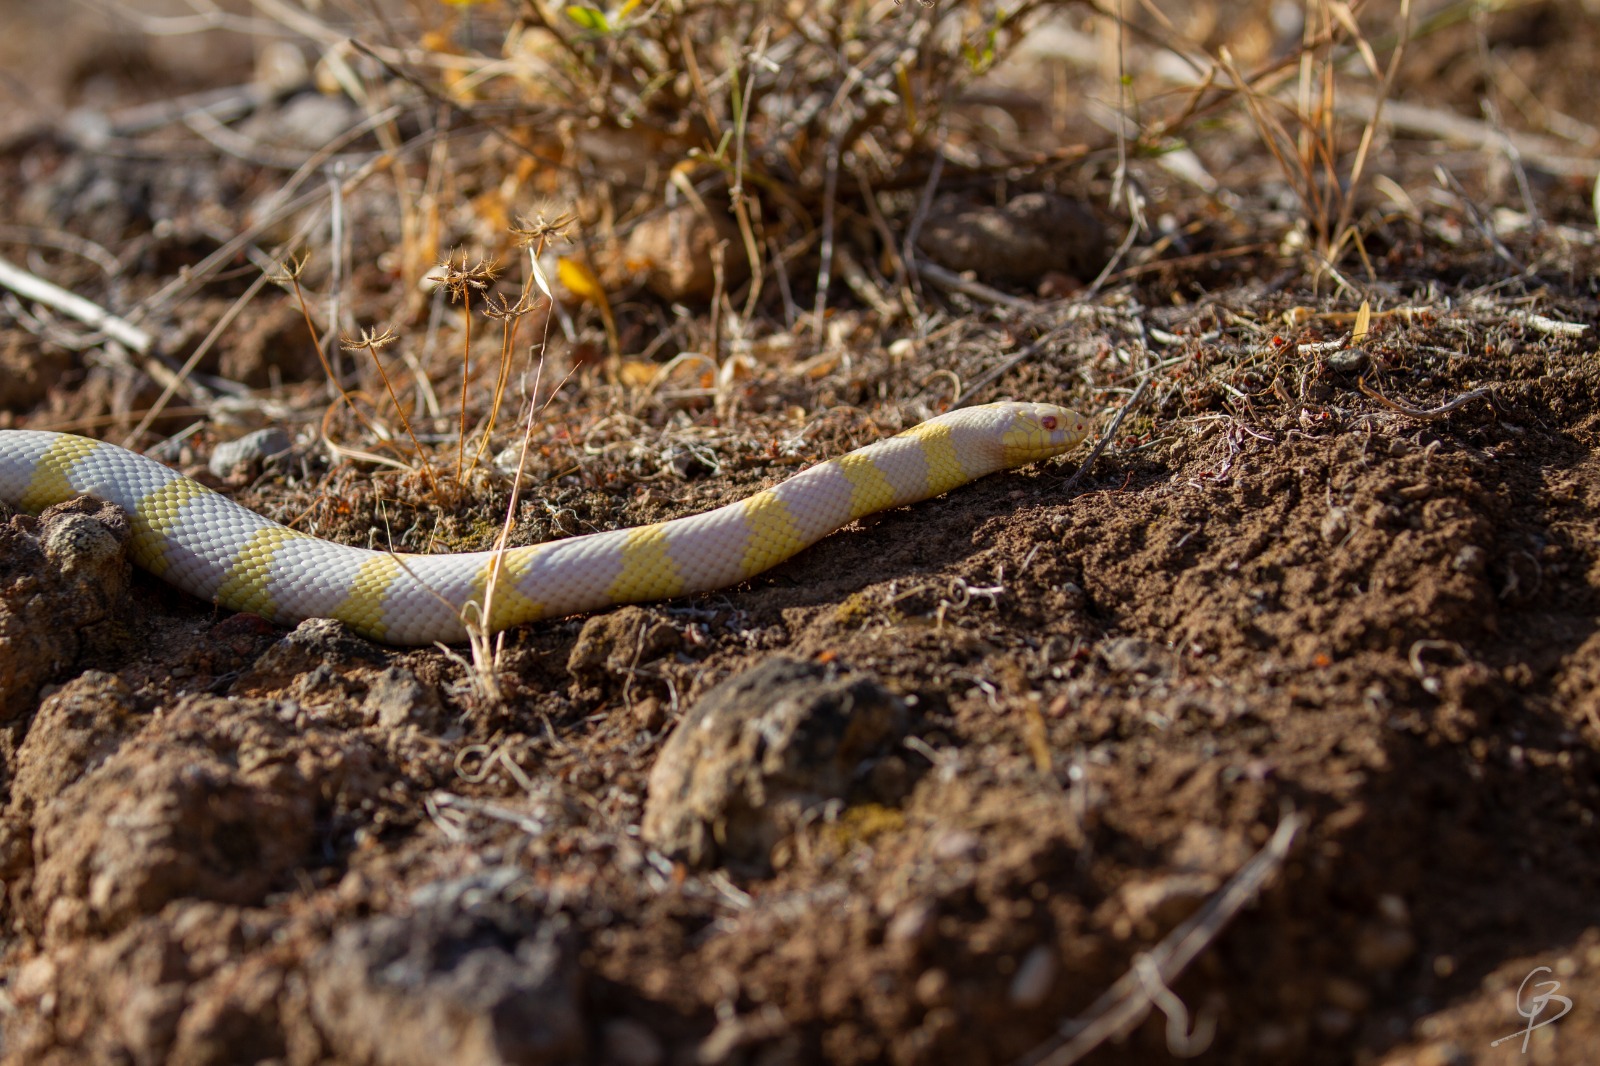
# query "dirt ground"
(1272, 736)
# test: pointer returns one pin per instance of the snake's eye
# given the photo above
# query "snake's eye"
(1048, 422)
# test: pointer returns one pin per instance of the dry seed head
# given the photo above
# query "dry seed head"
(290, 270)
(370, 340)
(461, 280)
(505, 310)
(538, 229)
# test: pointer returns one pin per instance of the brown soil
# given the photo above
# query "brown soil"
(995, 748)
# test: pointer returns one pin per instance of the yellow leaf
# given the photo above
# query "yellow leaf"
(1363, 322)
(637, 372)
(580, 281)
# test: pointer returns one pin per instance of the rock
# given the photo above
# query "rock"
(758, 752)
(249, 452)
(63, 589)
(308, 658)
(675, 250)
(397, 697)
(1034, 979)
(1347, 360)
(612, 644)
(493, 984)
(1033, 235)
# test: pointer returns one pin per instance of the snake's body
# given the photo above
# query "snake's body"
(211, 547)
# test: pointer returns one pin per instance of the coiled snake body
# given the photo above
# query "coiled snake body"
(211, 547)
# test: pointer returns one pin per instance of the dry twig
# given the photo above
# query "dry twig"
(1148, 981)
(1111, 431)
(32, 287)
(1419, 412)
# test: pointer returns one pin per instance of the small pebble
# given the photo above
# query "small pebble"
(248, 451)
(1347, 360)
(1034, 978)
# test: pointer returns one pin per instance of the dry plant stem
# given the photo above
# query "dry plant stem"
(466, 371)
(718, 297)
(357, 454)
(991, 376)
(511, 321)
(82, 247)
(1542, 152)
(949, 279)
(509, 318)
(187, 281)
(336, 250)
(741, 209)
(1342, 231)
(32, 287)
(1110, 269)
(907, 269)
(486, 659)
(1127, 1002)
(86, 425)
(172, 386)
(372, 343)
(1481, 224)
(1111, 432)
(460, 282)
(1420, 412)
(1182, 261)
(1308, 155)
(322, 356)
(830, 185)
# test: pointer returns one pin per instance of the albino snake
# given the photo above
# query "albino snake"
(211, 547)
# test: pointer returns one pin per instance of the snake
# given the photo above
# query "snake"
(211, 547)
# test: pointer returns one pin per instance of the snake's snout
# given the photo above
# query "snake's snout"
(1040, 430)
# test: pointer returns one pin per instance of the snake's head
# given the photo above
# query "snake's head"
(1040, 430)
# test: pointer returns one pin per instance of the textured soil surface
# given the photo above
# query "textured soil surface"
(953, 783)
